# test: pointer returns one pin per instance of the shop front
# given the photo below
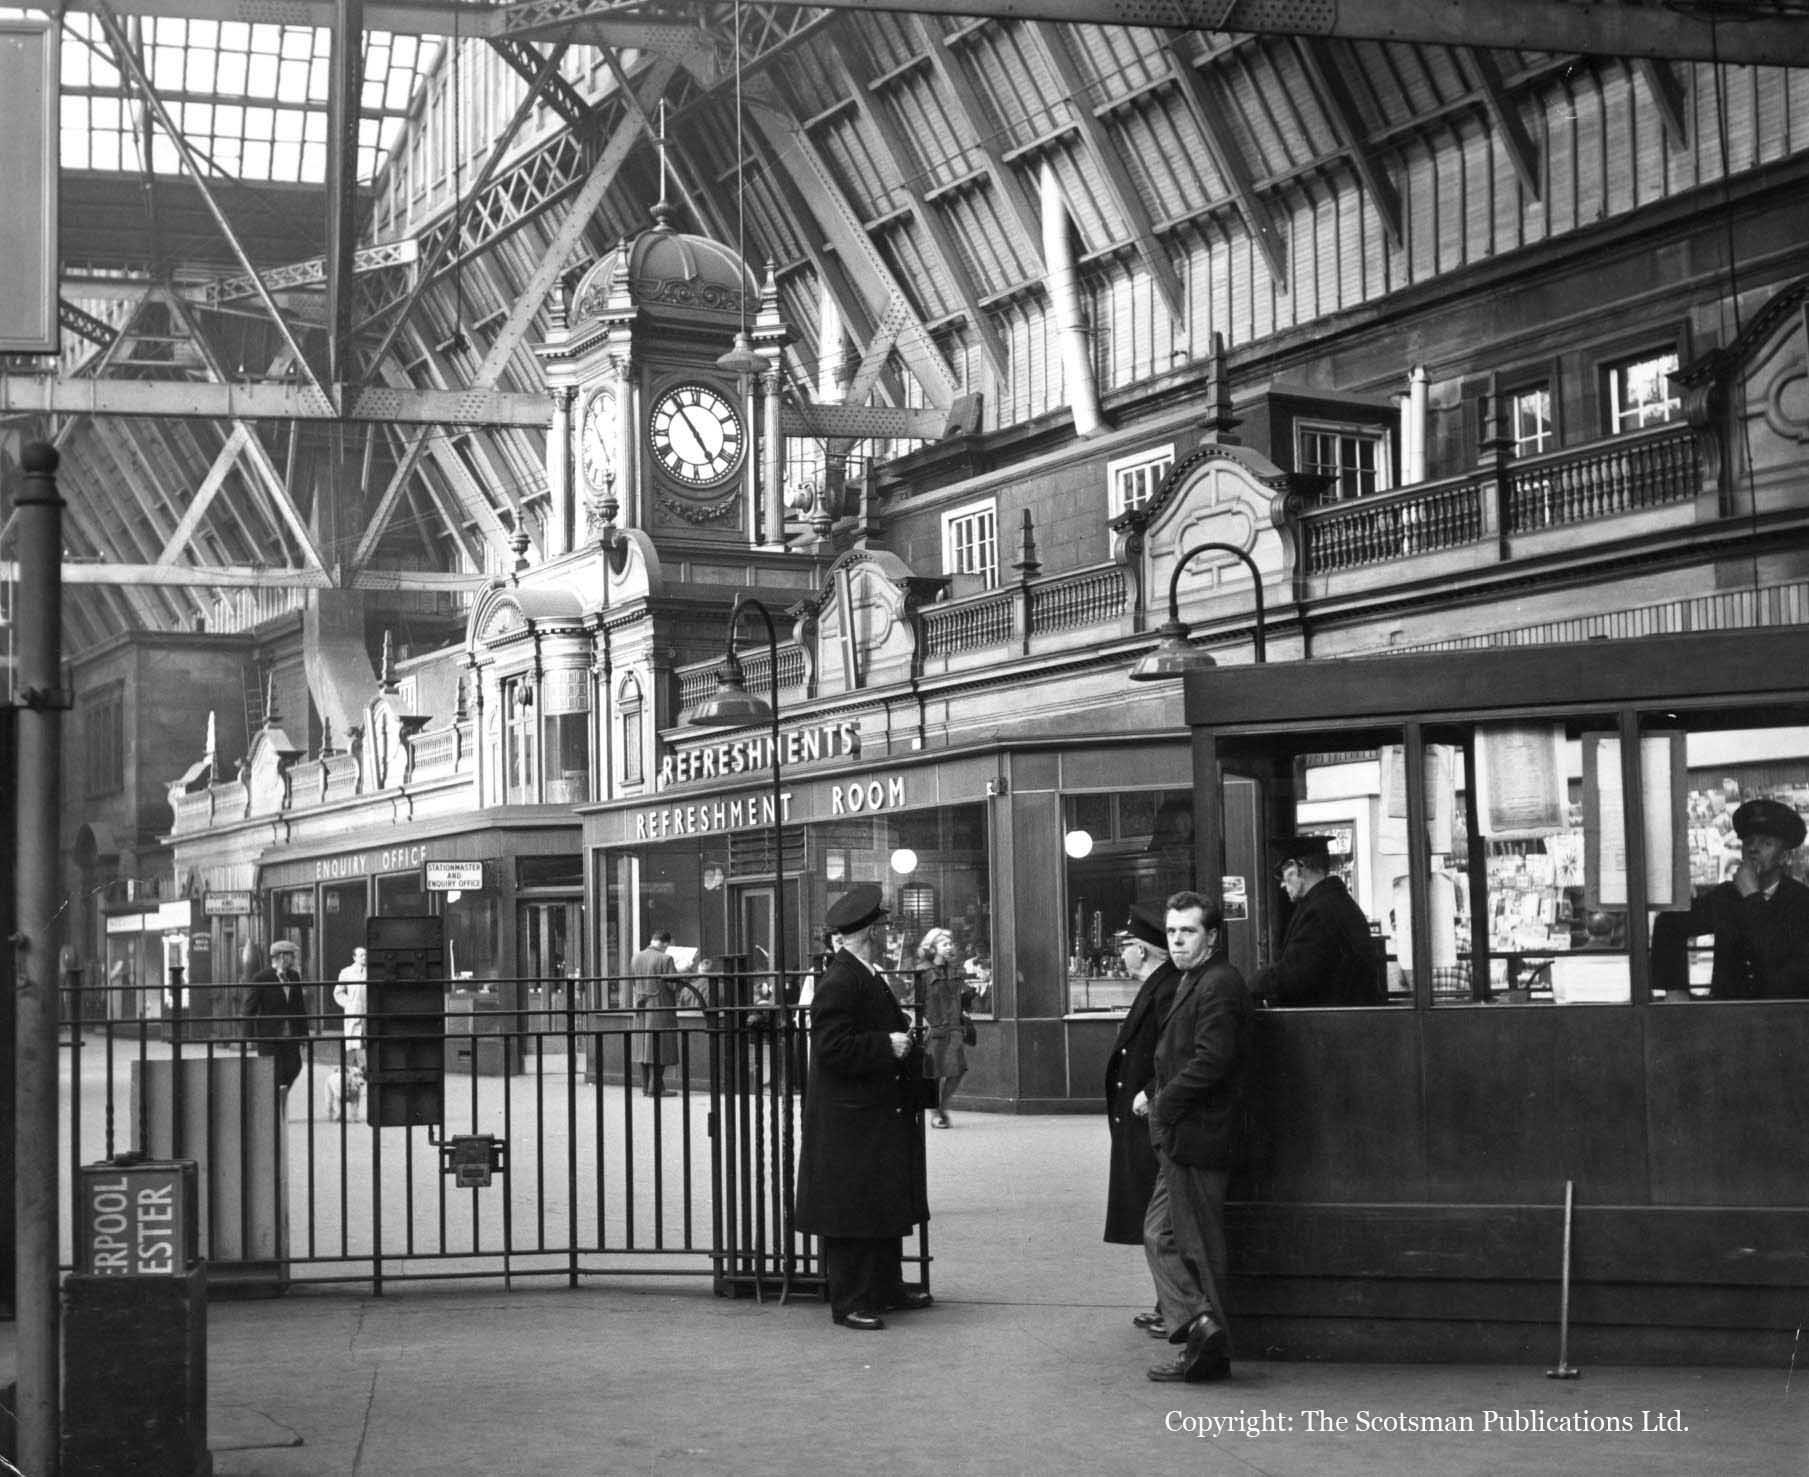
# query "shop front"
(1029, 857)
(511, 898)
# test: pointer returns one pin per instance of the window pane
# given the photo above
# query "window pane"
(1641, 393)
(1121, 849)
(1532, 421)
(1350, 456)
(1552, 854)
(1738, 925)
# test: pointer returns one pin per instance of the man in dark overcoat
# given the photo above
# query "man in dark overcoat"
(1328, 955)
(276, 1012)
(1759, 917)
(1195, 1117)
(860, 1169)
(1143, 946)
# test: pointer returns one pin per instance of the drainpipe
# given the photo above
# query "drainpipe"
(1064, 298)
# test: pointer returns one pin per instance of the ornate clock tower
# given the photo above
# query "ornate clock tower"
(649, 432)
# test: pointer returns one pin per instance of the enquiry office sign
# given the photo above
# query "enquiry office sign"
(138, 1219)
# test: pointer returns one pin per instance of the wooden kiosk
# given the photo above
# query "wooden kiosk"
(1517, 816)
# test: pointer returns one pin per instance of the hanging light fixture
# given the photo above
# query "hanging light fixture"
(741, 359)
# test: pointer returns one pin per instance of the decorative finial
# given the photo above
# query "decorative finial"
(386, 669)
(327, 751)
(1027, 564)
(601, 510)
(1221, 425)
(270, 713)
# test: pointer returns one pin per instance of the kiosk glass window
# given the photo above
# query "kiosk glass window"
(1528, 895)
(1712, 937)
(1122, 848)
(1279, 786)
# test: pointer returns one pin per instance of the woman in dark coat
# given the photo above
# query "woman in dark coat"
(944, 998)
(1129, 1070)
(860, 1169)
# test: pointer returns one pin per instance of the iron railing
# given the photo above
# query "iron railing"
(591, 1178)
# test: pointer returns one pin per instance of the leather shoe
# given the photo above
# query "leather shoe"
(1208, 1355)
(1172, 1372)
(1157, 1330)
(1147, 1320)
(860, 1320)
(909, 1300)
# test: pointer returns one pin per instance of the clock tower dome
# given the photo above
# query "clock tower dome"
(649, 431)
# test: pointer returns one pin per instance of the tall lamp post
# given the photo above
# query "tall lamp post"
(1174, 655)
(733, 706)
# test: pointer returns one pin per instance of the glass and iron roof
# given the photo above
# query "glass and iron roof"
(251, 98)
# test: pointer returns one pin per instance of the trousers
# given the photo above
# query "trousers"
(864, 1273)
(1184, 1242)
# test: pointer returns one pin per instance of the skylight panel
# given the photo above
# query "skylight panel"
(231, 85)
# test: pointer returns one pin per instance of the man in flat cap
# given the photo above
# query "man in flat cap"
(276, 1011)
(1129, 1076)
(1759, 917)
(1328, 956)
(860, 1169)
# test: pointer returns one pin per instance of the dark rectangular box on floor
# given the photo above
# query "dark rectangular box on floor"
(135, 1375)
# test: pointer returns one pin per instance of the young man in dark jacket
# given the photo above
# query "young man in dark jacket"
(1195, 1114)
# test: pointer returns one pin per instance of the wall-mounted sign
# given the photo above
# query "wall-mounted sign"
(455, 876)
(227, 905)
(747, 812)
(754, 752)
(28, 161)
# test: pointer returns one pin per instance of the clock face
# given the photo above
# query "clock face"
(695, 434)
(596, 440)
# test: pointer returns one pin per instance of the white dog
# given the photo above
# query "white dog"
(345, 1092)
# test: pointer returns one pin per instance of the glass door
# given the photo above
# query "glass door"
(547, 957)
(754, 938)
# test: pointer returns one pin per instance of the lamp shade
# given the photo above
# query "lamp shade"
(743, 358)
(1173, 656)
(731, 705)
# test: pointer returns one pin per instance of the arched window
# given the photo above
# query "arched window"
(628, 705)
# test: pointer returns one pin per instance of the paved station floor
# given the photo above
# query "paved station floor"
(1027, 1364)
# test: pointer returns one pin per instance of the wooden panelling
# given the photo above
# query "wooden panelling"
(1335, 1110)
(1520, 1099)
(1728, 1103)
(1612, 1245)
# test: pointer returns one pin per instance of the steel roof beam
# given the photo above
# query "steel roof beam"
(791, 145)
(1111, 164)
(130, 62)
(1228, 158)
(287, 402)
(1522, 151)
(858, 78)
(345, 84)
(1325, 71)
